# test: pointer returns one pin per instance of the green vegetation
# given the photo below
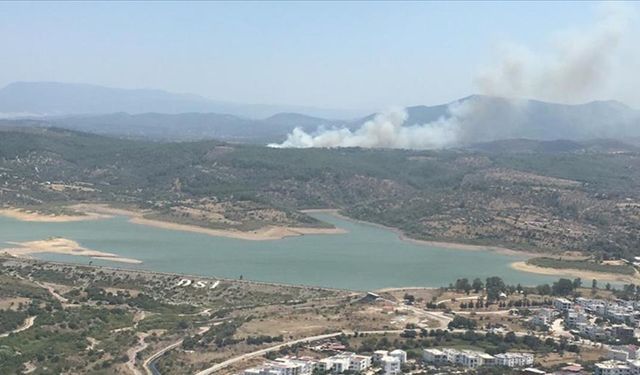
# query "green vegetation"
(551, 201)
(587, 265)
(10, 320)
(462, 323)
(94, 315)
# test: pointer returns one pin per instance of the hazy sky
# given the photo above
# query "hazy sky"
(342, 55)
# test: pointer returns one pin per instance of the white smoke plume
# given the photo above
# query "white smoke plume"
(580, 63)
(386, 130)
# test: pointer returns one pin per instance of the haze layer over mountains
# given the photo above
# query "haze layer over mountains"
(164, 116)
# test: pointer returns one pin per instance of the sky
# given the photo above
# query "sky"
(355, 55)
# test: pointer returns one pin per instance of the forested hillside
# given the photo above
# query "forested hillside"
(547, 196)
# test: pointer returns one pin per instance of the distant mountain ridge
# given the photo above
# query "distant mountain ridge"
(190, 117)
(56, 98)
(192, 126)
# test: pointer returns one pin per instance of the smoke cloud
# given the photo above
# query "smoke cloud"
(386, 130)
(579, 63)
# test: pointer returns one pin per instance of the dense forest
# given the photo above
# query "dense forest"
(542, 196)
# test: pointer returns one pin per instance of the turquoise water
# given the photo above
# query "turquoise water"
(367, 257)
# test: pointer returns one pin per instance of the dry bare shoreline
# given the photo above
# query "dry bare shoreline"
(93, 211)
(24, 215)
(61, 246)
(446, 245)
(583, 274)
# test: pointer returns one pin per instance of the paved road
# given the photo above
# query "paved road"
(149, 368)
(149, 364)
(261, 352)
(457, 299)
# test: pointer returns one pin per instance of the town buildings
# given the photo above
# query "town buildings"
(474, 359)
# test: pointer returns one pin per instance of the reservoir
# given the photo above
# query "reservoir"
(367, 257)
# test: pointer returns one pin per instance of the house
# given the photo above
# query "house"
(281, 367)
(359, 363)
(623, 352)
(575, 316)
(337, 364)
(562, 304)
(434, 356)
(543, 318)
(623, 332)
(514, 359)
(470, 359)
(379, 354)
(612, 368)
(400, 354)
(391, 365)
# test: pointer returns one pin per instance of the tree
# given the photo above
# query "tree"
(494, 286)
(462, 322)
(544, 289)
(510, 337)
(562, 287)
(477, 285)
(463, 285)
(577, 283)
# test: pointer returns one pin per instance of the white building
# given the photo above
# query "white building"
(391, 365)
(337, 364)
(612, 368)
(359, 363)
(514, 359)
(562, 304)
(342, 362)
(466, 358)
(379, 354)
(623, 352)
(544, 317)
(282, 366)
(434, 356)
(400, 354)
(575, 317)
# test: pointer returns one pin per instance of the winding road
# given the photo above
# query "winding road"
(264, 351)
(25, 326)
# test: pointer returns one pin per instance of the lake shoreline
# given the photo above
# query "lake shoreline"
(33, 216)
(267, 233)
(62, 246)
(441, 244)
(96, 211)
(583, 274)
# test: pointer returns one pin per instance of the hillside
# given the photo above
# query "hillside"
(57, 98)
(582, 198)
